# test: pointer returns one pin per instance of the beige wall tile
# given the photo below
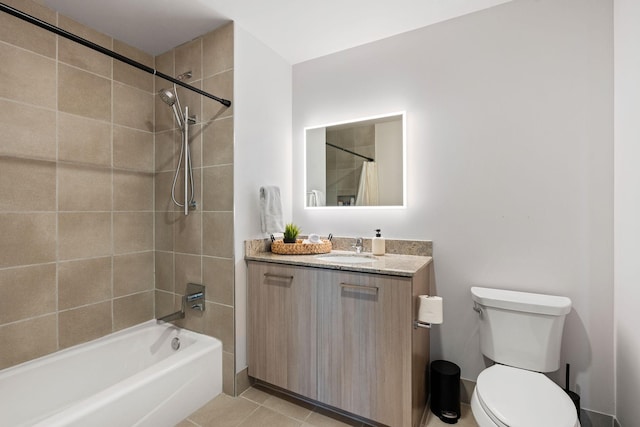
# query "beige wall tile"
(217, 234)
(83, 188)
(164, 230)
(228, 373)
(195, 144)
(27, 292)
(132, 309)
(164, 272)
(218, 277)
(220, 85)
(27, 77)
(84, 140)
(219, 323)
(84, 324)
(84, 235)
(75, 54)
(27, 130)
(163, 303)
(188, 57)
(133, 232)
(132, 107)
(188, 269)
(27, 185)
(83, 93)
(132, 191)
(217, 142)
(217, 50)
(188, 233)
(132, 273)
(132, 149)
(163, 184)
(128, 74)
(217, 188)
(83, 282)
(167, 145)
(164, 64)
(27, 238)
(20, 33)
(28, 340)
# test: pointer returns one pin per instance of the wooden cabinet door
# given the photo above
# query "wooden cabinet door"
(364, 345)
(282, 326)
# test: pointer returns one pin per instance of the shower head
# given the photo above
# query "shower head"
(171, 98)
(167, 97)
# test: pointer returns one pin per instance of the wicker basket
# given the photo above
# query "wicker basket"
(299, 248)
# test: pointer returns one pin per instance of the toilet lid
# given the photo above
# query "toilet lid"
(516, 397)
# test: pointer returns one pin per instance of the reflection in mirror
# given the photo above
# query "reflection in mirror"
(357, 163)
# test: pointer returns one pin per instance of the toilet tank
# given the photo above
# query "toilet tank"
(521, 329)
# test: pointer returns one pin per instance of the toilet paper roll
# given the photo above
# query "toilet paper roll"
(430, 309)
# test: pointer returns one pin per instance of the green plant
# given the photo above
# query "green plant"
(291, 231)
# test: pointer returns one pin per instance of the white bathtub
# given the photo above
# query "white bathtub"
(129, 378)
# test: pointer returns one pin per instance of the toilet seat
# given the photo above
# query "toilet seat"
(517, 397)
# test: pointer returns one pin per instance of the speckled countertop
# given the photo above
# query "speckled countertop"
(389, 264)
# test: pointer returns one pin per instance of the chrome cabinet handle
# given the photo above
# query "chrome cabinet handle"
(359, 287)
(278, 276)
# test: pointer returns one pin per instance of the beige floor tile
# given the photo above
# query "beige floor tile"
(289, 407)
(256, 395)
(323, 418)
(265, 417)
(223, 411)
(187, 423)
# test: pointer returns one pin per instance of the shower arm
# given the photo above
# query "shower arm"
(63, 33)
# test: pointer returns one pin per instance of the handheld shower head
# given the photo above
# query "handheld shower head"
(171, 98)
(167, 97)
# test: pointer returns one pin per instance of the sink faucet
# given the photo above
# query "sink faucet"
(358, 245)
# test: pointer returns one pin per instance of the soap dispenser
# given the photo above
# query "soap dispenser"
(377, 244)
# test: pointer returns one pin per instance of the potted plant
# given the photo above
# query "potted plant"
(290, 233)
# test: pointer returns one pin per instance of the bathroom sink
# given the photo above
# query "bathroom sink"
(347, 258)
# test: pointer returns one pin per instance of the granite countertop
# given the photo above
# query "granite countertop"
(389, 264)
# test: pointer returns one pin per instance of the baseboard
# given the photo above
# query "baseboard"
(243, 381)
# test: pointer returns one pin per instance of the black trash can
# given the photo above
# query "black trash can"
(445, 391)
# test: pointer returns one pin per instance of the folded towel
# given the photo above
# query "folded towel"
(271, 210)
(314, 238)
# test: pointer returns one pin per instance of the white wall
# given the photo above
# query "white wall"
(510, 163)
(627, 209)
(262, 114)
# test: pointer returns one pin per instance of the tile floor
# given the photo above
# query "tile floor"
(261, 407)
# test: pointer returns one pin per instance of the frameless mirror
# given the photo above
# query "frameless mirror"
(356, 163)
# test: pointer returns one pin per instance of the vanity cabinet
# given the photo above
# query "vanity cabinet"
(344, 339)
(282, 324)
(364, 343)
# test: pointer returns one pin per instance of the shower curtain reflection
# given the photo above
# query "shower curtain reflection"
(368, 187)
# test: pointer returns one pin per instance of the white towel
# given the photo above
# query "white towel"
(271, 210)
(317, 198)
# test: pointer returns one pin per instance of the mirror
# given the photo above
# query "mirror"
(357, 163)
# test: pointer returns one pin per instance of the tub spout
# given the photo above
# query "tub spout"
(171, 317)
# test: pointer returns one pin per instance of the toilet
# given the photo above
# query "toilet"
(522, 333)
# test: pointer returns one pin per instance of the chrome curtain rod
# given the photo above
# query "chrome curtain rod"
(63, 33)
(350, 152)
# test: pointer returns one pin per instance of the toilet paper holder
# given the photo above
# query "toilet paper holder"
(418, 324)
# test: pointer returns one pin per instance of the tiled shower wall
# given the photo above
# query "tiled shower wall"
(198, 248)
(81, 227)
(76, 188)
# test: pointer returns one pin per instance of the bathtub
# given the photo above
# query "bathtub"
(129, 378)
